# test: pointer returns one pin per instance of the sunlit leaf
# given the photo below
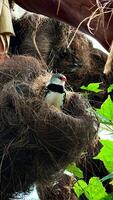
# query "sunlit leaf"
(79, 187)
(93, 87)
(106, 109)
(106, 154)
(111, 182)
(110, 88)
(95, 190)
(108, 197)
(75, 170)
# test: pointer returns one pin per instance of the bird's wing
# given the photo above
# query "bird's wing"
(45, 91)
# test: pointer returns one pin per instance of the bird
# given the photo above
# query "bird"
(55, 91)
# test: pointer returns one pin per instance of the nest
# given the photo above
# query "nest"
(36, 141)
(52, 47)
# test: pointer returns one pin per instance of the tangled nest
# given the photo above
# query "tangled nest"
(36, 141)
(56, 51)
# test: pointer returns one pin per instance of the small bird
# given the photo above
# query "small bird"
(55, 91)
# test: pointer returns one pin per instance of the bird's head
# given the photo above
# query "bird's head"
(58, 79)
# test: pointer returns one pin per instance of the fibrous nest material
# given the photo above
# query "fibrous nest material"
(36, 141)
(61, 190)
(101, 9)
(52, 39)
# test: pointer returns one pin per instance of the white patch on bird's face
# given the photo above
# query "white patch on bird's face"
(57, 81)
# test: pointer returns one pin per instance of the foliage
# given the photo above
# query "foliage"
(94, 190)
(77, 172)
(93, 87)
(106, 154)
(79, 187)
(109, 176)
(106, 111)
(110, 88)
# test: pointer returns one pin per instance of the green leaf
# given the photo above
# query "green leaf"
(109, 176)
(110, 88)
(111, 182)
(95, 190)
(79, 187)
(103, 119)
(108, 197)
(93, 87)
(75, 170)
(106, 109)
(106, 154)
